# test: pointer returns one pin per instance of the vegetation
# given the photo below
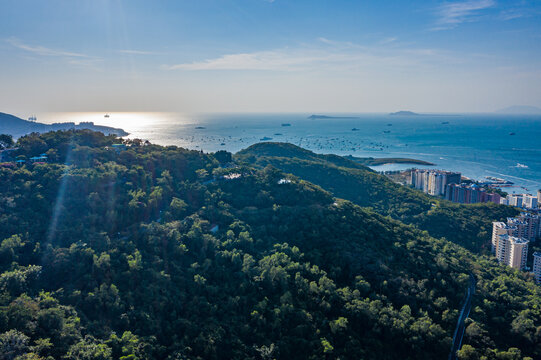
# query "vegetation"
(467, 225)
(370, 161)
(160, 252)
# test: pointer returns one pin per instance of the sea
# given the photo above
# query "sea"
(477, 145)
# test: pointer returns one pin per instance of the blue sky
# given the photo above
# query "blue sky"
(262, 55)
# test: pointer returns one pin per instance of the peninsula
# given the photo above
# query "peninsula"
(370, 161)
(15, 126)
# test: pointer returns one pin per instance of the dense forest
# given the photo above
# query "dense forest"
(469, 226)
(154, 252)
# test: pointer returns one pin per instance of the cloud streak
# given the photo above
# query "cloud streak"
(454, 13)
(329, 56)
(44, 51)
(136, 52)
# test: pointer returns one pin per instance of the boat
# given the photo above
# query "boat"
(389, 124)
(32, 118)
(222, 144)
(386, 131)
(512, 133)
(522, 166)
(445, 122)
(354, 129)
(278, 134)
(265, 138)
(200, 127)
(286, 124)
(106, 115)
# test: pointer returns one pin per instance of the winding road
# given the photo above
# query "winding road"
(460, 327)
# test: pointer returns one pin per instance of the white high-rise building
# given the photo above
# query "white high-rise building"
(501, 228)
(518, 253)
(536, 269)
(512, 251)
(529, 201)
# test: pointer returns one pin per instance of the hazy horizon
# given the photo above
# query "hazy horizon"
(256, 56)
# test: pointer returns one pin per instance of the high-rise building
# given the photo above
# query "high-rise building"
(512, 251)
(501, 228)
(539, 197)
(433, 182)
(469, 194)
(529, 201)
(526, 201)
(536, 268)
(518, 253)
(531, 225)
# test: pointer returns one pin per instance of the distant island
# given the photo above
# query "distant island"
(405, 113)
(315, 116)
(370, 161)
(15, 126)
(520, 110)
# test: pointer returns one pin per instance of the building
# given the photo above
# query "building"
(433, 182)
(539, 197)
(536, 269)
(525, 201)
(501, 228)
(530, 202)
(469, 194)
(512, 251)
(531, 225)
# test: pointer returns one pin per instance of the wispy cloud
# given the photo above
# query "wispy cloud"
(136, 52)
(44, 51)
(325, 54)
(453, 13)
(262, 60)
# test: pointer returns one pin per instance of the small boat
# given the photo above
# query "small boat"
(200, 127)
(512, 133)
(278, 134)
(386, 131)
(106, 115)
(389, 124)
(522, 166)
(265, 138)
(445, 122)
(286, 124)
(354, 129)
(32, 118)
(222, 144)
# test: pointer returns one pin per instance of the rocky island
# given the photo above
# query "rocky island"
(315, 116)
(405, 113)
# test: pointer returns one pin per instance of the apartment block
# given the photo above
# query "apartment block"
(512, 251)
(536, 269)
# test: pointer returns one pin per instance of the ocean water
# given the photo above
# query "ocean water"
(508, 147)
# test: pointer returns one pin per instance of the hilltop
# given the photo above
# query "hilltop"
(10, 124)
(151, 252)
(349, 179)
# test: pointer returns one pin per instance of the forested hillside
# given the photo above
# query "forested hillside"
(469, 226)
(164, 253)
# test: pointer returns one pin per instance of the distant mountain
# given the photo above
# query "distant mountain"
(17, 127)
(405, 113)
(315, 116)
(520, 110)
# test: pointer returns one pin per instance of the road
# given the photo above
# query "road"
(460, 327)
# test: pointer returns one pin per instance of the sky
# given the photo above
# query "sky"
(269, 55)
